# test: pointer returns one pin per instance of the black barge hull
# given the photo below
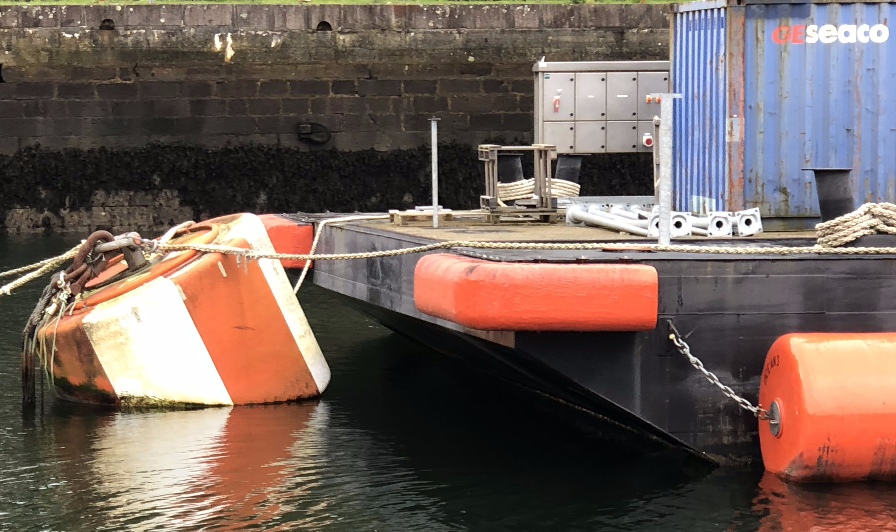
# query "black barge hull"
(729, 308)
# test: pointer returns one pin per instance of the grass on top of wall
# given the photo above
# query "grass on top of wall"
(345, 2)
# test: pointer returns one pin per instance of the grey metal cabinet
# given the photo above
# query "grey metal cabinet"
(597, 106)
(591, 137)
(562, 135)
(591, 96)
(559, 96)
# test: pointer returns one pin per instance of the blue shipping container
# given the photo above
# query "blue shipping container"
(698, 74)
(822, 95)
(807, 85)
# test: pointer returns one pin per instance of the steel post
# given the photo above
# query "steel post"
(435, 172)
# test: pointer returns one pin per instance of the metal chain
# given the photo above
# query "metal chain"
(685, 350)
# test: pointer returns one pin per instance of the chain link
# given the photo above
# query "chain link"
(685, 350)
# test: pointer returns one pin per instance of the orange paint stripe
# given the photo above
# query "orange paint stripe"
(536, 297)
(243, 328)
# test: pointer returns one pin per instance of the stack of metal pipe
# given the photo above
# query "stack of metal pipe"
(636, 220)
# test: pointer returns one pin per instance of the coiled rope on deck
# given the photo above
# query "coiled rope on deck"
(869, 219)
(525, 189)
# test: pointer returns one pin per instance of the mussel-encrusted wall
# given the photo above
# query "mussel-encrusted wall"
(256, 178)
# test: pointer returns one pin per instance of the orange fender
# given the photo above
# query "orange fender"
(836, 398)
(536, 297)
(290, 237)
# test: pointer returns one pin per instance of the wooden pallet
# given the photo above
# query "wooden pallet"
(403, 217)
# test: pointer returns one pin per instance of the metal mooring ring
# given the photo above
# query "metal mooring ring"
(774, 419)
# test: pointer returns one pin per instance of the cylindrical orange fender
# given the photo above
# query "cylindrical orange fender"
(831, 399)
(503, 296)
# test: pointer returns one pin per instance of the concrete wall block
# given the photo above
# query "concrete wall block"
(291, 17)
(150, 90)
(210, 73)
(379, 87)
(524, 86)
(229, 125)
(71, 16)
(484, 120)
(41, 108)
(428, 86)
(171, 107)
(207, 107)
(88, 74)
(560, 16)
(157, 15)
(277, 87)
(209, 15)
(130, 109)
(459, 86)
(517, 122)
(429, 104)
(478, 103)
(495, 86)
(476, 69)
(309, 88)
(526, 17)
(42, 90)
(197, 89)
(378, 104)
(9, 17)
(264, 106)
(483, 16)
(345, 105)
(76, 91)
(276, 124)
(117, 91)
(87, 109)
(39, 17)
(260, 17)
(345, 86)
(240, 88)
(237, 107)
(429, 17)
(296, 106)
(12, 109)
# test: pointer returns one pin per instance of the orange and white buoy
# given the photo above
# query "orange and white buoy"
(831, 403)
(188, 328)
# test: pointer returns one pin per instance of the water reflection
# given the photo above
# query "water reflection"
(189, 469)
(854, 507)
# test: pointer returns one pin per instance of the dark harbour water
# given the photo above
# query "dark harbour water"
(402, 440)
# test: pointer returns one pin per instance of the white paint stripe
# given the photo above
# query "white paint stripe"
(149, 347)
(252, 230)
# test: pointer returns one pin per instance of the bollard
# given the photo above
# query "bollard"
(834, 187)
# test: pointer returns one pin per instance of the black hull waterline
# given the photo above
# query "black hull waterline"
(729, 309)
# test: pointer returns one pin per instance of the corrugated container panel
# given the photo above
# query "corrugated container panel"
(698, 73)
(818, 104)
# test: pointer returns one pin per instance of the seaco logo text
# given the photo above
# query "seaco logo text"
(828, 33)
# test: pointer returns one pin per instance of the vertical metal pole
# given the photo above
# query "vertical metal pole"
(665, 195)
(435, 172)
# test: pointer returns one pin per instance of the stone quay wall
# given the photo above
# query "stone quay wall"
(308, 79)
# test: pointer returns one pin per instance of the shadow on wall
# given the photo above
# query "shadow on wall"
(271, 178)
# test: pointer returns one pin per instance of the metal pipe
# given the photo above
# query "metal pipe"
(665, 196)
(620, 219)
(435, 172)
(601, 221)
(623, 212)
